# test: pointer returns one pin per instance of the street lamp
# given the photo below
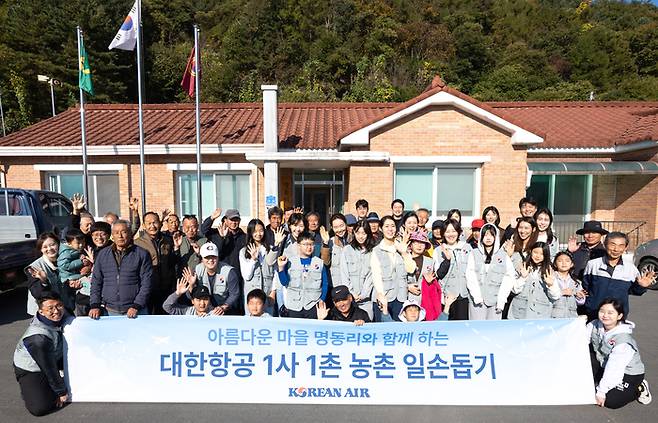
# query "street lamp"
(52, 82)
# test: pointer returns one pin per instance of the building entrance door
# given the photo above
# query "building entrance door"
(318, 199)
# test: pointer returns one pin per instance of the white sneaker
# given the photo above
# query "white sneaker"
(645, 394)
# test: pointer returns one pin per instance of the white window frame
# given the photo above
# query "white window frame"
(182, 170)
(475, 165)
(93, 181)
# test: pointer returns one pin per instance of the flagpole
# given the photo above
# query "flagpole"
(139, 107)
(85, 186)
(198, 122)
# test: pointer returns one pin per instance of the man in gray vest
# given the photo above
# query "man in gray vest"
(38, 357)
(221, 280)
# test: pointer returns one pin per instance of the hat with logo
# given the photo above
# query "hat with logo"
(340, 293)
(208, 249)
(200, 291)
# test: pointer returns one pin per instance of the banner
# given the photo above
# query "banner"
(233, 359)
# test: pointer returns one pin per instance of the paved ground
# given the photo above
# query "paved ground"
(13, 321)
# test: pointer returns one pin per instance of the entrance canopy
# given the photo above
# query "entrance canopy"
(593, 168)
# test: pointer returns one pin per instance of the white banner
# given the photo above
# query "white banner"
(258, 360)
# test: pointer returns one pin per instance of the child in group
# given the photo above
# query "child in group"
(412, 311)
(616, 363)
(305, 279)
(422, 285)
(200, 295)
(489, 274)
(573, 294)
(74, 268)
(535, 287)
(256, 300)
(257, 263)
(355, 267)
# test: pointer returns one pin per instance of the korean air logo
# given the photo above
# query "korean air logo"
(327, 392)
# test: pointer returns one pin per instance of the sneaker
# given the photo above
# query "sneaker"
(645, 394)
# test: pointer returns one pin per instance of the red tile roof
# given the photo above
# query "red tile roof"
(301, 125)
(587, 123)
(321, 125)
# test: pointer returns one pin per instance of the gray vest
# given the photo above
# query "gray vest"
(565, 307)
(336, 252)
(603, 348)
(358, 269)
(261, 279)
(305, 286)
(490, 280)
(219, 289)
(533, 301)
(22, 357)
(394, 277)
(427, 265)
(455, 281)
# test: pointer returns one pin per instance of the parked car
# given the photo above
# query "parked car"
(24, 215)
(646, 258)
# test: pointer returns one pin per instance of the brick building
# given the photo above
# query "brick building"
(440, 150)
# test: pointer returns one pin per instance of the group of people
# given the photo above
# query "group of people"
(363, 268)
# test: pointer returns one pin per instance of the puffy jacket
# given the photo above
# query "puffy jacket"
(121, 287)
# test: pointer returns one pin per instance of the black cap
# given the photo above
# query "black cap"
(340, 293)
(592, 226)
(200, 291)
(438, 224)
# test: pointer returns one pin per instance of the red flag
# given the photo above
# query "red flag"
(189, 77)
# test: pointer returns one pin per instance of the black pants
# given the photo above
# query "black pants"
(627, 391)
(394, 307)
(156, 301)
(37, 394)
(304, 314)
(459, 309)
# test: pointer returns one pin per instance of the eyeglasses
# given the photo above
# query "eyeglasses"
(50, 309)
(307, 244)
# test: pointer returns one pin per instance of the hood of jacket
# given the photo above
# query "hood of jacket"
(421, 314)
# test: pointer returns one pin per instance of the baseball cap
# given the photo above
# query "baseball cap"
(232, 214)
(208, 249)
(477, 223)
(340, 293)
(200, 291)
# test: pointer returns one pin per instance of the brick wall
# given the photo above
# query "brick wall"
(636, 200)
(604, 189)
(444, 131)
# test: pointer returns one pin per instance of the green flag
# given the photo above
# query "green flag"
(85, 72)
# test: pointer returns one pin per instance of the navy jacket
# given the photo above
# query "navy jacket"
(228, 246)
(600, 284)
(125, 286)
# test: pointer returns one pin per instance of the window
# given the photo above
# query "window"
(103, 190)
(439, 188)
(568, 196)
(218, 190)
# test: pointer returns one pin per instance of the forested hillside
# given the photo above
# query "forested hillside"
(334, 50)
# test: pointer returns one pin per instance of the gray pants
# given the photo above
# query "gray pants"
(482, 312)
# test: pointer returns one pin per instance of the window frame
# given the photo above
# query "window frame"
(92, 181)
(214, 173)
(476, 167)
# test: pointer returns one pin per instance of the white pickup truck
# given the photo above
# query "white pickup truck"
(24, 215)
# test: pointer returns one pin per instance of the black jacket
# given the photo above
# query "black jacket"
(584, 254)
(355, 313)
(228, 246)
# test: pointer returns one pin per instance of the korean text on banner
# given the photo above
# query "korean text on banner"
(254, 360)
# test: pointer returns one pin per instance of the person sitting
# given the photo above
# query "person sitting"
(38, 357)
(201, 306)
(344, 309)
